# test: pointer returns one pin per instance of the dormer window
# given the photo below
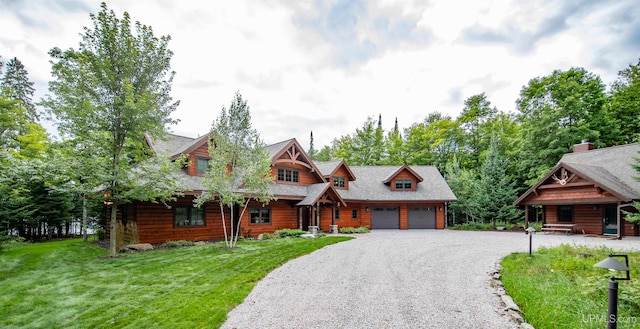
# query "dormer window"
(339, 181)
(288, 175)
(403, 184)
(202, 164)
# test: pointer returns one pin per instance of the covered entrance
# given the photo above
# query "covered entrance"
(385, 218)
(422, 217)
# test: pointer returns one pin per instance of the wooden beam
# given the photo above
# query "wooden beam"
(576, 184)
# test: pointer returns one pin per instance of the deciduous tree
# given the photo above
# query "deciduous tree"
(240, 167)
(110, 94)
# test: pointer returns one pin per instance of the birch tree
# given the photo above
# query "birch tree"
(239, 169)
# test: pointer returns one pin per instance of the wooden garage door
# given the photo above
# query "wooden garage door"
(422, 217)
(385, 217)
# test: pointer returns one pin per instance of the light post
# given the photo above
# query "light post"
(530, 230)
(613, 264)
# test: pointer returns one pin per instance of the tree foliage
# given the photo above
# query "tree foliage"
(624, 105)
(110, 95)
(240, 167)
(17, 85)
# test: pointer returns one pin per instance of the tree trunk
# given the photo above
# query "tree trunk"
(83, 225)
(112, 230)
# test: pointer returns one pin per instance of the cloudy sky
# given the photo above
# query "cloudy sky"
(325, 66)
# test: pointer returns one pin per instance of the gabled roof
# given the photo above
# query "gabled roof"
(316, 191)
(290, 152)
(609, 168)
(401, 169)
(173, 145)
(432, 188)
(329, 168)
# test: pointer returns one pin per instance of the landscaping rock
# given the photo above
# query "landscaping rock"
(200, 243)
(140, 247)
(526, 326)
(511, 305)
(308, 235)
(260, 237)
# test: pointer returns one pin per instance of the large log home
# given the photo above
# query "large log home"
(589, 189)
(309, 195)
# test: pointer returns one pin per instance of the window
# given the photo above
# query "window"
(188, 216)
(260, 215)
(202, 164)
(403, 184)
(338, 181)
(336, 212)
(288, 175)
(354, 213)
(565, 213)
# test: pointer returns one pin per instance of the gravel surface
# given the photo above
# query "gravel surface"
(395, 279)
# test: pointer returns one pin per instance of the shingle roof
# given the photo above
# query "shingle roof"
(611, 167)
(326, 168)
(170, 145)
(370, 186)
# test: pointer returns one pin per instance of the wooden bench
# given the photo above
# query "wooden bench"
(566, 228)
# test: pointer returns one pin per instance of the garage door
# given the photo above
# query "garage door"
(422, 217)
(385, 217)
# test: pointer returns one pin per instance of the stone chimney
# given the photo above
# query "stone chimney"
(584, 146)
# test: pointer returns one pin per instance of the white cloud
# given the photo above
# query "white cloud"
(327, 66)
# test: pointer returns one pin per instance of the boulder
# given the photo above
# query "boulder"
(140, 246)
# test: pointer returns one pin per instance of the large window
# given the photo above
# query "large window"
(260, 215)
(188, 216)
(338, 181)
(202, 164)
(288, 175)
(565, 213)
(403, 184)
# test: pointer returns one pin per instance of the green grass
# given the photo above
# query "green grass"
(72, 284)
(559, 288)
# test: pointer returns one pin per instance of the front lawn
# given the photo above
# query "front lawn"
(72, 284)
(560, 288)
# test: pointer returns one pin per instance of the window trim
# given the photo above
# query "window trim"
(339, 179)
(260, 210)
(403, 184)
(204, 171)
(566, 208)
(189, 216)
(292, 174)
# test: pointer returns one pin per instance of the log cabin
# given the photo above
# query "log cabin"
(589, 190)
(310, 195)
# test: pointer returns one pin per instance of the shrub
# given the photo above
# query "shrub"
(267, 236)
(285, 233)
(176, 244)
(8, 240)
(101, 233)
(352, 230)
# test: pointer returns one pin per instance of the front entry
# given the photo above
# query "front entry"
(610, 220)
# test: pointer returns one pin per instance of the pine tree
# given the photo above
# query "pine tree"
(313, 153)
(18, 87)
(495, 190)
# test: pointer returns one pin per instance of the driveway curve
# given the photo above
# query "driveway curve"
(394, 279)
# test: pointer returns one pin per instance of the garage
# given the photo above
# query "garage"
(385, 217)
(422, 217)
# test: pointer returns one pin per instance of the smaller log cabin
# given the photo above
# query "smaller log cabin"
(309, 195)
(589, 188)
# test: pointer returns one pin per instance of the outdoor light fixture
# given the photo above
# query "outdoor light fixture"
(613, 264)
(530, 230)
(366, 209)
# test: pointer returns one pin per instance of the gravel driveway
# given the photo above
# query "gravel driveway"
(394, 279)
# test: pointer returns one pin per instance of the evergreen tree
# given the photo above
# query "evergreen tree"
(395, 147)
(462, 182)
(18, 86)
(623, 107)
(495, 191)
(313, 153)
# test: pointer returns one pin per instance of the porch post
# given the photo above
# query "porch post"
(333, 215)
(300, 218)
(526, 216)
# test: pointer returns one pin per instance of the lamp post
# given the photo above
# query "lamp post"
(613, 264)
(530, 230)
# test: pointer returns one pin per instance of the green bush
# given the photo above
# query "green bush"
(101, 233)
(285, 233)
(353, 230)
(7, 240)
(176, 244)
(267, 236)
